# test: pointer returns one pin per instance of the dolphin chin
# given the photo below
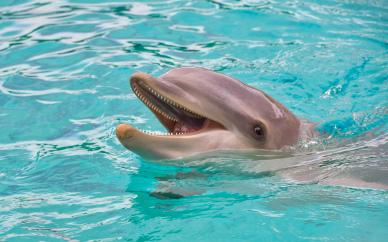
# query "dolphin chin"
(202, 111)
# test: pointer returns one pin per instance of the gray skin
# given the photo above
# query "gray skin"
(235, 106)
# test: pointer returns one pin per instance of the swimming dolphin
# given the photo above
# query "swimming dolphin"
(203, 111)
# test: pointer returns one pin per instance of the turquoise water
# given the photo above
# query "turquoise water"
(64, 67)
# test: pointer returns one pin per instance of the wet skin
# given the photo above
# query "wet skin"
(203, 111)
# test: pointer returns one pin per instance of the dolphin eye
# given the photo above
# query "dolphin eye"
(259, 131)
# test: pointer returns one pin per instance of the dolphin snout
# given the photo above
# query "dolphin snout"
(124, 131)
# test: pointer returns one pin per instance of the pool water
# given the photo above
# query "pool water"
(64, 69)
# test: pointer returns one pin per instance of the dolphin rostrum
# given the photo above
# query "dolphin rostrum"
(203, 111)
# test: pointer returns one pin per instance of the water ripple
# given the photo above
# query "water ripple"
(64, 68)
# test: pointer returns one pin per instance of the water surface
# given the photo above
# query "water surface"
(64, 67)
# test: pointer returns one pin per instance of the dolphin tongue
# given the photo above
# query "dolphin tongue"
(187, 123)
(183, 128)
(188, 127)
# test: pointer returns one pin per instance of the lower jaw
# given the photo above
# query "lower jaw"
(156, 147)
(176, 133)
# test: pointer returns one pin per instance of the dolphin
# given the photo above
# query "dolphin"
(204, 111)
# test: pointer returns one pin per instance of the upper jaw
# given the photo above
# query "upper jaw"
(177, 118)
(172, 93)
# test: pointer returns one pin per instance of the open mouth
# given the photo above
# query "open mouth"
(176, 118)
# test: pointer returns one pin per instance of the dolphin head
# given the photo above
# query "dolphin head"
(202, 111)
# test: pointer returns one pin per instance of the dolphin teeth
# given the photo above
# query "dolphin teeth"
(138, 89)
(152, 106)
